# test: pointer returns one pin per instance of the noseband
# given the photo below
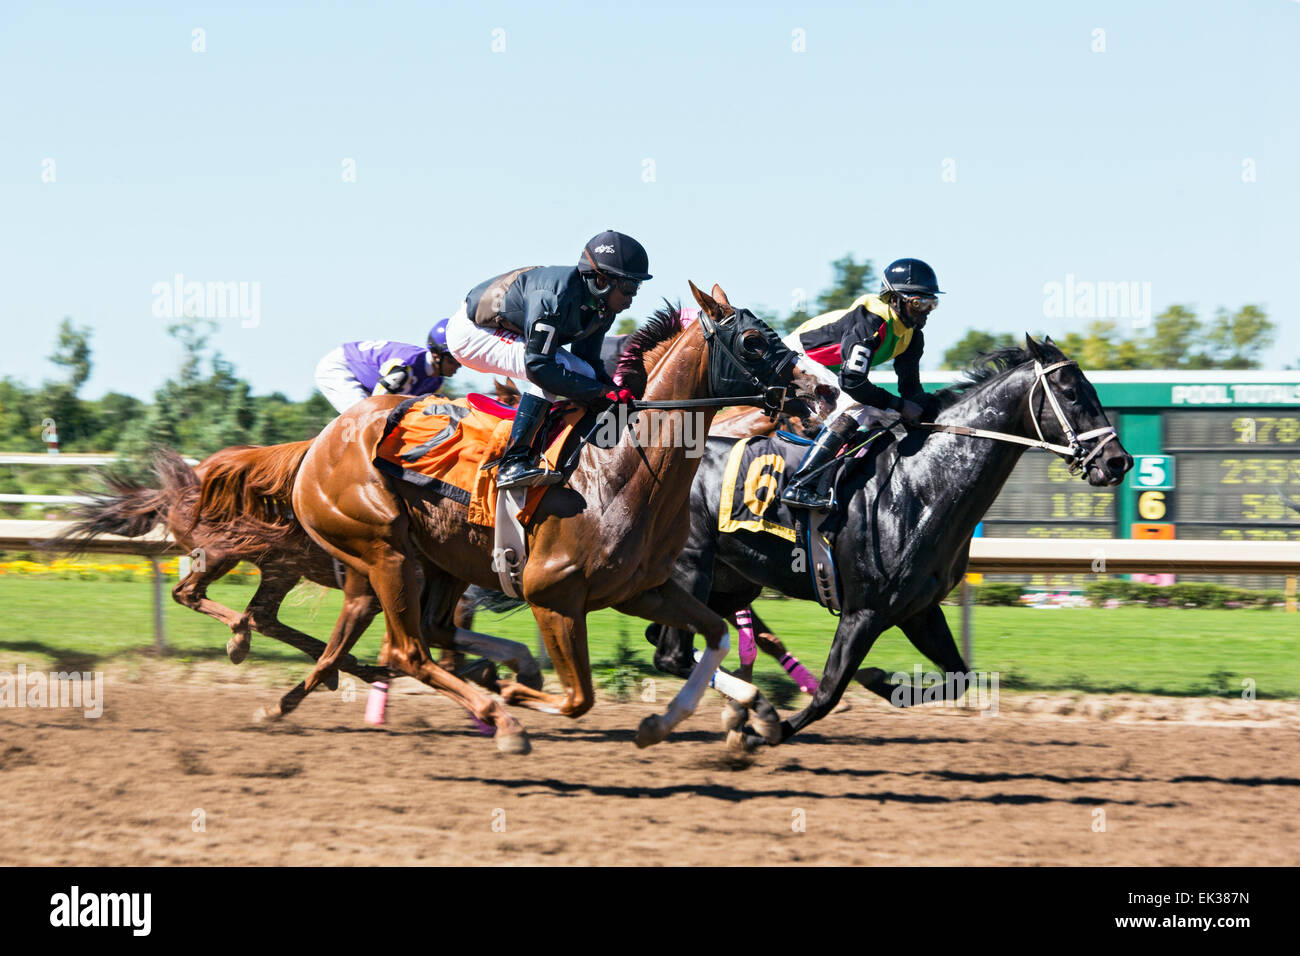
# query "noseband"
(1073, 453)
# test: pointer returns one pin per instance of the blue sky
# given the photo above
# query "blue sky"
(768, 162)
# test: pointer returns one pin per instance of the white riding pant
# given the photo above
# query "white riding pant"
(337, 383)
(846, 403)
(500, 352)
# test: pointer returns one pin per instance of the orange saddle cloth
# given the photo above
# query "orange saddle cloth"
(442, 445)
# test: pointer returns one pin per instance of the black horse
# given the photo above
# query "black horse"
(907, 515)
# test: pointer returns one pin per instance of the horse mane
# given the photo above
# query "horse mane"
(988, 366)
(248, 489)
(646, 346)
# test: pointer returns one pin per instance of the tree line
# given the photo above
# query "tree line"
(205, 405)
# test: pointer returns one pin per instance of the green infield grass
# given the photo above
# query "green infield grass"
(86, 624)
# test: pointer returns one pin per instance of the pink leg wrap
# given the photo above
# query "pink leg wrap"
(799, 674)
(745, 626)
(376, 703)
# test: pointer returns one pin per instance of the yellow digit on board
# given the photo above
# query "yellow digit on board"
(1151, 505)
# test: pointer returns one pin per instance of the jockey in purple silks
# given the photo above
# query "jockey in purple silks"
(357, 370)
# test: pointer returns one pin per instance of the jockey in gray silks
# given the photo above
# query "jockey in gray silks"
(516, 324)
(871, 331)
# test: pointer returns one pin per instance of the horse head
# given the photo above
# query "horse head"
(1043, 399)
(1063, 408)
(746, 357)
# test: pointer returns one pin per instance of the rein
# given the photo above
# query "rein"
(1073, 452)
(769, 398)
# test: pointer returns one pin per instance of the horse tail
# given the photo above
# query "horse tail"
(130, 508)
(246, 491)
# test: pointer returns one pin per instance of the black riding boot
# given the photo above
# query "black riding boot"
(517, 464)
(807, 490)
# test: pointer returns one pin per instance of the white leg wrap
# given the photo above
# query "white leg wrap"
(688, 698)
(738, 690)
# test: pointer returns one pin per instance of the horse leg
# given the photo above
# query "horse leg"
(358, 611)
(263, 616)
(565, 634)
(929, 634)
(393, 577)
(513, 654)
(671, 605)
(744, 618)
(856, 633)
(191, 592)
(771, 645)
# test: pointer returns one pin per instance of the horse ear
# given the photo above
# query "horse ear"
(705, 302)
(1033, 348)
(721, 298)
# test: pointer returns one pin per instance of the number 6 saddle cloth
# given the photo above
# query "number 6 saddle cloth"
(750, 500)
(442, 445)
(752, 480)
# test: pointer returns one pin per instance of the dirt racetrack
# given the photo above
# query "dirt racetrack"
(1180, 782)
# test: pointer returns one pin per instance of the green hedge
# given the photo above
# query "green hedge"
(1178, 595)
(1002, 594)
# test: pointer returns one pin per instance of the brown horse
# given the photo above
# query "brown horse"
(255, 526)
(234, 506)
(607, 539)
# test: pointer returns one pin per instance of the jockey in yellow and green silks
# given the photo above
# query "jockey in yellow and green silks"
(842, 346)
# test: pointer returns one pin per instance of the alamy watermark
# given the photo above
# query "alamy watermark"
(671, 428)
(947, 688)
(130, 910)
(1086, 299)
(208, 300)
(56, 689)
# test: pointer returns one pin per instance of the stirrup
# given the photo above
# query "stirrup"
(798, 497)
(529, 476)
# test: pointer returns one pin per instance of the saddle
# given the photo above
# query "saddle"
(450, 448)
(755, 473)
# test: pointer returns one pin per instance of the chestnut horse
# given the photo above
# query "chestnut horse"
(606, 539)
(234, 506)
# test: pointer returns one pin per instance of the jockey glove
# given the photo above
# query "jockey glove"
(393, 381)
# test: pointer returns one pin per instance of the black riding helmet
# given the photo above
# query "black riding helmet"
(914, 286)
(614, 256)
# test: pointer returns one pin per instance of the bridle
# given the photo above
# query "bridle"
(1073, 453)
(771, 398)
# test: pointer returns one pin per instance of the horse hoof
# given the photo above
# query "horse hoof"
(653, 730)
(739, 743)
(766, 721)
(237, 650)
(768, 730)
(733, 716)
(514, 743)
(264, 716)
